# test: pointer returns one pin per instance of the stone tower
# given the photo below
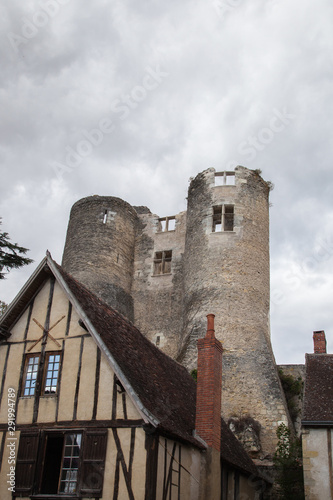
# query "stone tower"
(166, 273)
(99, 249)
(226, 272)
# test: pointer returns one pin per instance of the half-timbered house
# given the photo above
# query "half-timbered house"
(89, 408)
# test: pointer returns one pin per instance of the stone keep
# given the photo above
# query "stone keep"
(167, 273)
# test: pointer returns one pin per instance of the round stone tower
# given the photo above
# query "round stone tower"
(99, 249)
(226, 272)
(227, 255)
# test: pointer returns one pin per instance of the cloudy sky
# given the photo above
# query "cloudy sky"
(132, 98)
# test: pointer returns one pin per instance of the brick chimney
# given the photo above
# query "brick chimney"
(319, 342)
(209, 386)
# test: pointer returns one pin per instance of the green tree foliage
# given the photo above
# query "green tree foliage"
(292, 387)
(288, 463)
(11, 255)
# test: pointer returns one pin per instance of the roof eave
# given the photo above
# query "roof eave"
(146, 415)
(15, 308)
(317, 423)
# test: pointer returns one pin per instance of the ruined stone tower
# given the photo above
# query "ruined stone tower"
(166, 273)
(99, 249)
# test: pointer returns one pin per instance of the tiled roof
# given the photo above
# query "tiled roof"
(233, 452)
(318, 391)
(164, 386)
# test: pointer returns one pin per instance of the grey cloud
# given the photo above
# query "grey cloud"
(231, 66)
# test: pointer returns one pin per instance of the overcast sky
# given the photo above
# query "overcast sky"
(132, 98)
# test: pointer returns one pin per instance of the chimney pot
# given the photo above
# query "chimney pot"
(210, 326)
(319, 342)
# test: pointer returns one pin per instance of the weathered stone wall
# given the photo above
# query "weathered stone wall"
(158, 299)
(296, 371)
(99, 249)
(110, 247)
(227, 274)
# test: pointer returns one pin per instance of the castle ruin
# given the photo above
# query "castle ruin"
(165, 274)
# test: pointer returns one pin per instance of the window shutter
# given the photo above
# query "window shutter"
(93, 462)
(26, 462)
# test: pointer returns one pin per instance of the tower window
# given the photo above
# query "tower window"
(107, 216)
(162, 262)
(223, 218)
(167, 224)
(225, 178)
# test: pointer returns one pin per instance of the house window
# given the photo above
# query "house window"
(71, 463)
(31, 371)
(162, 262)
(225, 179)
(223, 218)
(61, 463)
(50, 375)
(167, 224)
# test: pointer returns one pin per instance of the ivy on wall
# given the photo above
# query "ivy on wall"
(288, 463)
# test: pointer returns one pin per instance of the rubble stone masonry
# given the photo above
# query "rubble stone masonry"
(165, 278)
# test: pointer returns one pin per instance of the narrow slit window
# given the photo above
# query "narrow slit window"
(162, 262)
(107, 216)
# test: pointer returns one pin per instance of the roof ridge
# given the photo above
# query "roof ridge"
(119, 315)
